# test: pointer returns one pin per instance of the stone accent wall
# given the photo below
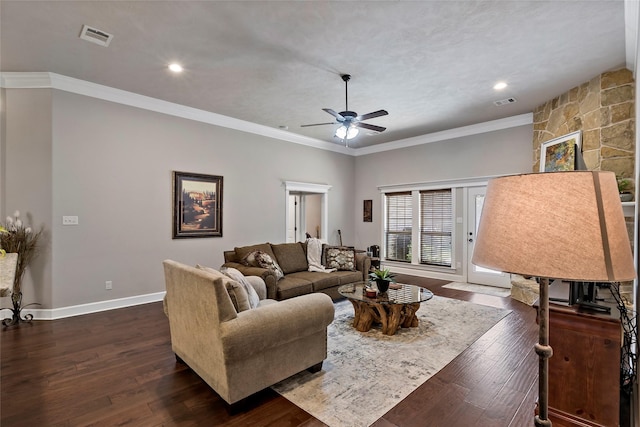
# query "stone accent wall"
(603, 109)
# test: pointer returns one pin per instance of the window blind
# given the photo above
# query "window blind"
(398, 226)
(436, 225)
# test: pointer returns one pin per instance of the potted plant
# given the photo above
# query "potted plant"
(382, 277)
(625, 185)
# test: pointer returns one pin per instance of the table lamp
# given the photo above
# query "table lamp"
(556, 225)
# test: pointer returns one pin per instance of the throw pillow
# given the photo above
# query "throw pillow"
(235, 274)
(243, 251)
(263, 260)
(340, 258)
(258, 284)
(237, 293)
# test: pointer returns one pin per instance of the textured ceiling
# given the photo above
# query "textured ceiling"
(431, 64)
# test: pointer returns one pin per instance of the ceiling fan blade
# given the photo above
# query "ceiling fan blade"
(372, 115)
(334, 114)
(318, 124)
(368, 126)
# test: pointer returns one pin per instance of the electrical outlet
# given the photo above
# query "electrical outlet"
(69, 220)
(108, 285)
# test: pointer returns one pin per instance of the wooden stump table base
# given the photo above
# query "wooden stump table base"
(390, 316)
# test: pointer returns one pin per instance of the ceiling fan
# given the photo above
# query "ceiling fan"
(350, 120)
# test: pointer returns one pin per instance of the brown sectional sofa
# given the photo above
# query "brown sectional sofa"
(297, 280)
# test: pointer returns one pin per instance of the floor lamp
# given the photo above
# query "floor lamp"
(566, 225)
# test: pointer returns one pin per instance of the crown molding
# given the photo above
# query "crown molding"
(491, 126)
(25, 80)
(16, 80)
(42, 80)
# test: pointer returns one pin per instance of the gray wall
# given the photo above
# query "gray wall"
(500, 152)
(111, 165)
(26, 179)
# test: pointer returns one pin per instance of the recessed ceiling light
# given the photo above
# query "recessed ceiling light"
(175, 67)
(499, 85)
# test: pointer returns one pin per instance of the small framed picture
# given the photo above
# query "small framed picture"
(367, 211)
(197, 205)
(561, 154)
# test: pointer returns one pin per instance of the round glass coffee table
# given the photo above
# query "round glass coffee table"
(393, 309)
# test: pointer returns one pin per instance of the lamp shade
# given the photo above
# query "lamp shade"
(563, 225)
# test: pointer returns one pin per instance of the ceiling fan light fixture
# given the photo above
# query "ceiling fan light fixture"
(344, 132)
(350, 121)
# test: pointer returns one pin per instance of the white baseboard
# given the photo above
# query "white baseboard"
(93, 307)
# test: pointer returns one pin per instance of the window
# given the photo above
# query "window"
(436, 225)
(429, 227)
(398, 226)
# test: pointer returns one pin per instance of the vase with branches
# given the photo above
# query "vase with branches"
(24, 241)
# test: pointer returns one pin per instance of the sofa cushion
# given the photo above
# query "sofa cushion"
(290, 287)
(318, 280)
(263, 260)
(348, 276)
(340, 258)
(243, 251)
(291, 257)
(236, 291)
(236, 275)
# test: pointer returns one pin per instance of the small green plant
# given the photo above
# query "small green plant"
(384, 274)
(624, 185)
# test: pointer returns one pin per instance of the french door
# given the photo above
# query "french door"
(477, 274)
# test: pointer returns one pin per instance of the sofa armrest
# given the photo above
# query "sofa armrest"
(268, 276)
(363, 264)
(257, 330)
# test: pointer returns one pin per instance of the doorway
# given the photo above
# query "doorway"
(305, 216)
(477, 274)
(307, 210)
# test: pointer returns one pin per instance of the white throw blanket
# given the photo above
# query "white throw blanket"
(314, 256)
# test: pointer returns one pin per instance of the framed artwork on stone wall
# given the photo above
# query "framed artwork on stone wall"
(561, 154)
(197, 205)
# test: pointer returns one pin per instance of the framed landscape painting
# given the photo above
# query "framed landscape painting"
(560, 154)
(197, 205)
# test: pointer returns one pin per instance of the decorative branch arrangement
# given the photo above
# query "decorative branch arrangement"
(23, 241)
(628, 370)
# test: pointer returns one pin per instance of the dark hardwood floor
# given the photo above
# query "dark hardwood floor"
(116, 368)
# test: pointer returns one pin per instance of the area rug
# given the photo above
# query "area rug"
(480, 289)
(368, 373)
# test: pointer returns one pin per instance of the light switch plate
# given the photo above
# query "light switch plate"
(69, 220)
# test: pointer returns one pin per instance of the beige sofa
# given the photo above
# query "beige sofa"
(240, 353)
(297, 280)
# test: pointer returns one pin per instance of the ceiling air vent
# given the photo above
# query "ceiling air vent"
(504, 102)
(95, 35)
